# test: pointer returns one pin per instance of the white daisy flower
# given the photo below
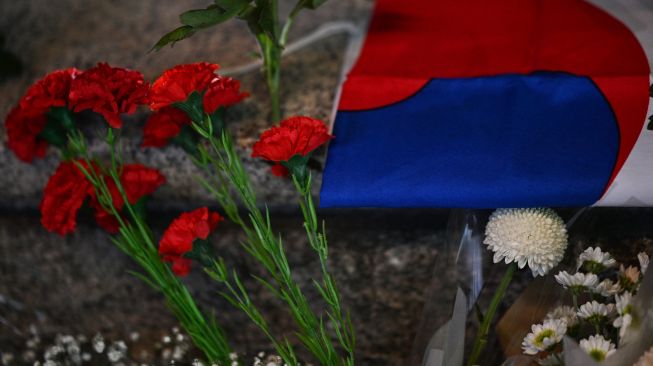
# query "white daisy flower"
(629, 277)
(643, 261)
(646, 359)
(595, 312)
(551, 360)
(544, 336)
(533, 236)
(624, 309)
(596, 261)
(607, 288)
(564, 313)
(598, 347)
(577, 282)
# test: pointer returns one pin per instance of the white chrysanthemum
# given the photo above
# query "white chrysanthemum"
(607, 288)
(551, 360)
(564, 313)
(533, 236)
(643, 261)
(578, 281)
(624, 309)
(544, 336)
(598, 347)
(595, 260)
(594, 311)
(646, 359)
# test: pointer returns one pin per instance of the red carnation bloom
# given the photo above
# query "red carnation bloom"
(138, 181)
(176, 84)
(68, 188)
(64, 195)
(108, 91)
(27, 120)
(183, 231)
(51, 91)
(294, 136)
(163, 126)
(23, 129)
(222, 92)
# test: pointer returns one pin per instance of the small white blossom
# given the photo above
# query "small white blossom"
(564, 313)
(98, 343)
(533, 236)
(643, 261)
(578, 281)
(117, 351)
(595, 260)
(598, 347)
(544, 336)
(607, 288)
(624, 309)
(594, 311)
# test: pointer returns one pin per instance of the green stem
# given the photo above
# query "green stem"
(238, 296)
(139, 245)
(268, 249)
(329, 291)
(272, 69)
(484, 329)
(289, 22)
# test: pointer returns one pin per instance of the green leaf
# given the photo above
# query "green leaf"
(217, 120)
(193, 106)
(174, 36)
(202, 252)
(230, 5)
(204, 18)
(60, 122)
(313, 4)
(221, 11)
(187, 140)
(266, 18)
(297, 167)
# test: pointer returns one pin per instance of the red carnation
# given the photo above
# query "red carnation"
(294, 136)
(163, 126)
(176, 84)
(23, 129)
(183, 231)
(68, 188)
(108, 91)
(51, 91)
(26, 121)
(64, 195)
(222, 92)
(138, 181)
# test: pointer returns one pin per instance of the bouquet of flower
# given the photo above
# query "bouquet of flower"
(603, 315)
(604, 289)
(188, 104)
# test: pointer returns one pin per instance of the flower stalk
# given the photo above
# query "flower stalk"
(263, 244)
(328, 289)
(135, 239)
(484, 329)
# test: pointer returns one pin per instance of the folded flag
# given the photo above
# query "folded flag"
(509, 103)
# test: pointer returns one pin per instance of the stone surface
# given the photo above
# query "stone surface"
(80, 284)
